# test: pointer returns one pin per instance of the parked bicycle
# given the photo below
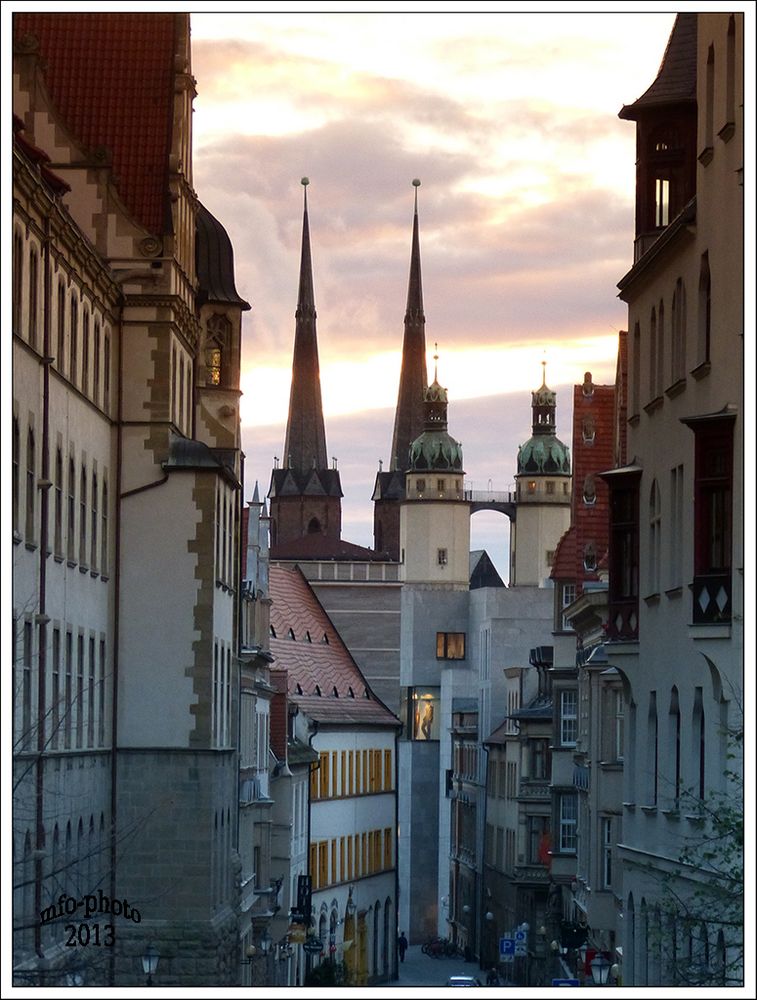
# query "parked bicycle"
(437, 947)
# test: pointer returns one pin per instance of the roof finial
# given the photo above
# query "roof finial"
(416, 185)
(436, 360)
(544, 371)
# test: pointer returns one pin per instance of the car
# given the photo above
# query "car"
(463, 981)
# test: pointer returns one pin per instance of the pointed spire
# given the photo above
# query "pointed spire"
(408, 419)
(305, 444)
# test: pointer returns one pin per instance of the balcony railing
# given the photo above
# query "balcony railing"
(623, 621)
(711, 599)
(530, 789)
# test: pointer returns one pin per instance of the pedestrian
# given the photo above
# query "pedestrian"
(402, 945)
(492, 978)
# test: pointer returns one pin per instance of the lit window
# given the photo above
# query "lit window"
(662, 201)
(450, 645)
(213, 365)
(532, 486)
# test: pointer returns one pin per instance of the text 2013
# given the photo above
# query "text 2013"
(82, 935)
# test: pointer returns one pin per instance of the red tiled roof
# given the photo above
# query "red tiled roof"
(314, 663)
(111, 78)
(564, 563)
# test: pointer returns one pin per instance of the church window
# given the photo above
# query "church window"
(213, 365)
(217, 346)
(441, 485)
(450, 645)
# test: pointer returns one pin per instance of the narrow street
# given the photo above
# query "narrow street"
(423, 970)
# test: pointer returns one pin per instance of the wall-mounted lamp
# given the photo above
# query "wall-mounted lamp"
(150, 961)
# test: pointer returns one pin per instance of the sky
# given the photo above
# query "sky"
(526, 205)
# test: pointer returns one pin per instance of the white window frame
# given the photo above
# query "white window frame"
(568, 717)
(568, 823)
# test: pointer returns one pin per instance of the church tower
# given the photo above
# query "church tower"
(389, 490)
(542, 490)
(305, 493)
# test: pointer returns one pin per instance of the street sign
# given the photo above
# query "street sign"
(519, 936)
(565, 982)
(313, 946)
(520, 948)
(506, 946)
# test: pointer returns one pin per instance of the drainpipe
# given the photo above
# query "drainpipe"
(43, 484)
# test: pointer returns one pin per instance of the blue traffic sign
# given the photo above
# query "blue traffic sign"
(506, 946)
(565, 982)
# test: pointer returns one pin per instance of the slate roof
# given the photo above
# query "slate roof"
(111, 78)
(318, 547)
(215, 262)
(676, 78)
(320, 662)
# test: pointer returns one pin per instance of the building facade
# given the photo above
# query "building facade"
(126, 344)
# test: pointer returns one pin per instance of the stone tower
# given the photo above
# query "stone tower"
(389, 489)
(305, 493)
(542, 491)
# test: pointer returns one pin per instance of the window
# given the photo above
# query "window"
(450, 645)
(83, 517)
(420, 486)
(106, 372)
(568, 596)
(85, 353)
(540, 760)
(549, 487)
(709, 107)
(532, 486)
(18, 280)
(589, 495)
(674, 739)
(662, 201)
(91, 694)
(704, 311)
(441, 485)
(730, 84)
(74, 340)
(653, 386)
(713, 475)
(605, 823)
(624, 555)
(16, 472)
(676, 526)
(96, 364)
(61, 315)
(568, 822)
(660, 348)
(652, 749)
(421, 710)
(635, 370)
(441, 557)
(79, 690)
(538, 840)
(56, 693)
(568, 718)
(590, 557)
(619, 723)
(31, 484)
(69, 692)
(71, 526)
(58, 508)
(698, 741)
(104, 534)
(33, 296)
(94, 524)
(654, 539)
(678, 352)
(213, 365)
(550, 556)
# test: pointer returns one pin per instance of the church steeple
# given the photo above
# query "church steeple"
(409, 415)
(408, 420)
(305, 442)
(305, 493)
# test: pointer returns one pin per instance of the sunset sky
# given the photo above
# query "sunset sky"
(526, 213)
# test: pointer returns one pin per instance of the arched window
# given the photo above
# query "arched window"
(678, 352)
(674, 745)
(314, 526)
(104, 534)
(83, 516)
(74, 339)
(704, 311)
(588, 429)
(730, 82)
(18, 280)
(654, 539)
(94, 515)
(58, 512)
(96, 364)
(181, 391)
(106, 372)
(709, 105)
(653, 355)
(85, 353)
(217, 346)
(590, 490)
(31, 484)
(16, 472)
(71, 518)
(652, 750)
(698, 742)
(33, 295)
(660, 348)
(61, 317)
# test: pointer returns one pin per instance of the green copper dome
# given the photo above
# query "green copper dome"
(435, 449)
(542, 454)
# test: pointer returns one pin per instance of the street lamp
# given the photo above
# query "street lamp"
(75, 974)
(600, 970)
(150, 961)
